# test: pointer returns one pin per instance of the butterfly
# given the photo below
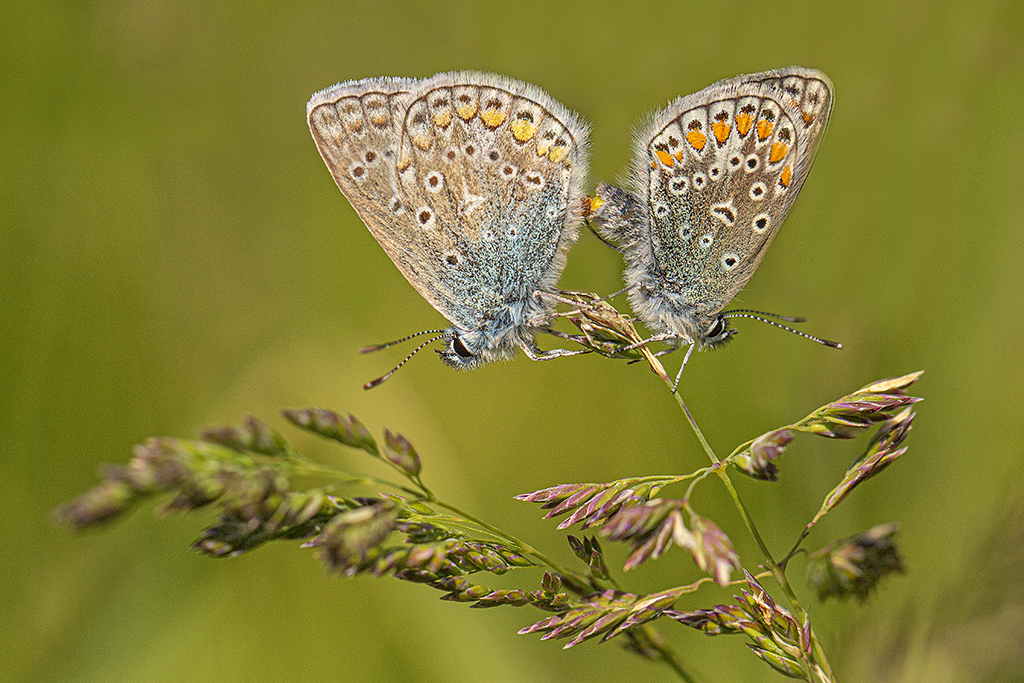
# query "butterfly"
(713, 176)
(472, 183)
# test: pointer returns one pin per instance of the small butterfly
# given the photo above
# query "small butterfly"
(714, 175)
(473, 185)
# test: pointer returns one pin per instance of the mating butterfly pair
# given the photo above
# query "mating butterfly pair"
(473, 185)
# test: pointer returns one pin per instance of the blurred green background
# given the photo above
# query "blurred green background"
(176, 254)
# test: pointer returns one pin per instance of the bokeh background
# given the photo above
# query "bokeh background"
(175, 255)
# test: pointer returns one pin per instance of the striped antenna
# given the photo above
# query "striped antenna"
(766, 318)
(378, 347)
(380, 380)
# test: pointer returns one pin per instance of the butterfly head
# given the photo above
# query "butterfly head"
(463, 350)
(460, 351)
(716, 332)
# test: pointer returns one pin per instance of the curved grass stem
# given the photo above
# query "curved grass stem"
(777, 572)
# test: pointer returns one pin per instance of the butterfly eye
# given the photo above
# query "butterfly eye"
(460, 348)
(717, 330)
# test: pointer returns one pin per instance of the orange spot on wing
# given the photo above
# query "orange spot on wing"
(787, 176)
(721, 131)
(743, 123)
(697, 140)
(523, 130)
(764, 129)
(778, 152)
(665, 157)
(493, 118)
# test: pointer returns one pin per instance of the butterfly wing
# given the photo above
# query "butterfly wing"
(717, 172)
(476, 197)
(356, 126)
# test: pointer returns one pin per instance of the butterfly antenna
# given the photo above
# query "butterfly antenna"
(785, 318)
(380, 380)
(378, 347)
(764, 317)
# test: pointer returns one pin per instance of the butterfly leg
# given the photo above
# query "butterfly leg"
(563, 294)
(656, 338)
(537, 354)
(679, 374)
(563, 335)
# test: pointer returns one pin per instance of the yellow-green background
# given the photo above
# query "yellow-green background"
(175, 254)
